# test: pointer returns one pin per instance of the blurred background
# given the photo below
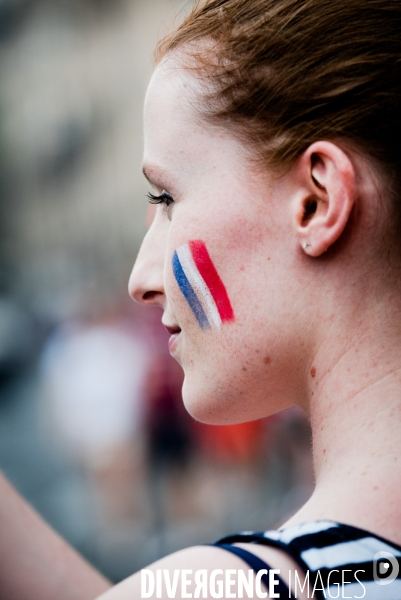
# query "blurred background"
(92, 428)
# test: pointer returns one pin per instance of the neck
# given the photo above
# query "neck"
(355, 412)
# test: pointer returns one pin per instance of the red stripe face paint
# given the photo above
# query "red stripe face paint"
(212, 279)
(201, 285)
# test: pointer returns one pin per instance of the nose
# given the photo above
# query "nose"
(146, 280)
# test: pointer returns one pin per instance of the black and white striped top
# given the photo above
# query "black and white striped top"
(331, 553)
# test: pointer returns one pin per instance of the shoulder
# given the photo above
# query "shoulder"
(197, 565)
(310, 556)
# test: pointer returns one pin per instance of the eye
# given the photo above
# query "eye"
(164, 198)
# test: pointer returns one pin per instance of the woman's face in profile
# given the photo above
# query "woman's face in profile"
(220, 258)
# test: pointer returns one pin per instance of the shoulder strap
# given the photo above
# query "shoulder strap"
(259, 538)
(257, 564)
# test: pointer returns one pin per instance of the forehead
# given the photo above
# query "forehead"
(170, 83)
(177, 139)
(170, 102)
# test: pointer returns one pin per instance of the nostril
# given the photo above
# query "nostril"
(150, 296)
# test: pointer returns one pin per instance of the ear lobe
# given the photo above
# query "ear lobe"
(327, 198)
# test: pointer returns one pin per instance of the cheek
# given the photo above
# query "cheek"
(201, 285)
(240, 372)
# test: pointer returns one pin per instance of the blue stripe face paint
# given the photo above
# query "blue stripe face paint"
(189, 293)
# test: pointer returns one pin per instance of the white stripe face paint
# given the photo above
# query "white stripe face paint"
(199, 286)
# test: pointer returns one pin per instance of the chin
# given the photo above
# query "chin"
(212, 405)
(204, 403)
(214, 400)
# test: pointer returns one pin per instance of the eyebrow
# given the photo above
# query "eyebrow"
(151, 172)
(144, 171)
(155, 174)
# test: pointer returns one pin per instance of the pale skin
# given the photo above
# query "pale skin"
(317, 307)
(317, 304)
(35, 562)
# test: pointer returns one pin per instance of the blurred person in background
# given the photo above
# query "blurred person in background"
(168, 442)
(93, 378)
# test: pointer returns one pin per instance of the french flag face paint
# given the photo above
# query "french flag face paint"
(201, 285)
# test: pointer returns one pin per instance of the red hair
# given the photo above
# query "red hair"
(286, 73)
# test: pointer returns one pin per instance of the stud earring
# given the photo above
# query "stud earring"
(305, 244)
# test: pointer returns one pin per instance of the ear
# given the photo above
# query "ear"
(326, 196)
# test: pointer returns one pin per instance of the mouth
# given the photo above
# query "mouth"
(174, 332)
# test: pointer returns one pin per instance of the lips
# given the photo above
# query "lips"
(174, 332)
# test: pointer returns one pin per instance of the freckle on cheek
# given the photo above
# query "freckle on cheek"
(313, 372)
(244, 368)
(267, 360)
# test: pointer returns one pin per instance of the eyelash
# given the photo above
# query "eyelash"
(164, 198)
